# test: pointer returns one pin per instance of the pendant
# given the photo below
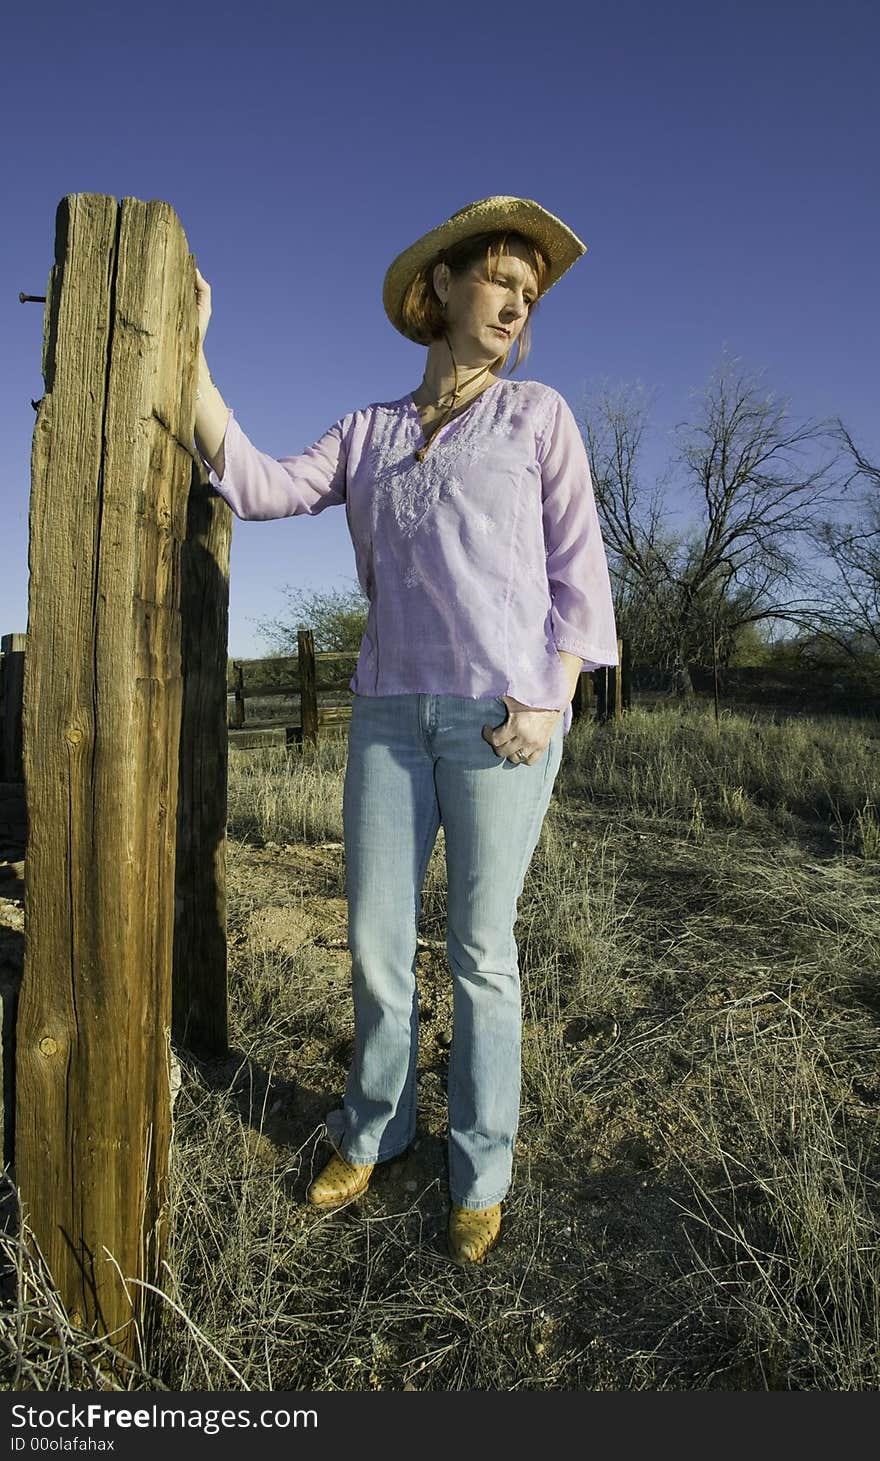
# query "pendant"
(421, 453)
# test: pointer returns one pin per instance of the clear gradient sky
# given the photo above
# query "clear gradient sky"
(719, 160)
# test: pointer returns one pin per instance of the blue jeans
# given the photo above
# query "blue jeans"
(416, 762)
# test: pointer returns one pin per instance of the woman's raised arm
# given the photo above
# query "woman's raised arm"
(212, 412)
(255, 485)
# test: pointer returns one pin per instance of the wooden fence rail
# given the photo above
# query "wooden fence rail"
(297, 677)
(287, 677)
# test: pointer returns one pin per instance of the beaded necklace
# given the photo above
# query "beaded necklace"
(422, 451)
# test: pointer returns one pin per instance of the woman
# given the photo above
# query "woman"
(471, 511)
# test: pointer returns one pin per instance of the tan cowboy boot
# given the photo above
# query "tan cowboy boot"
(473, 1231)
(339, 1182)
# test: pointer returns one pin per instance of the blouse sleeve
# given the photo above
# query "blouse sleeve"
(582, 613)
(258, 487)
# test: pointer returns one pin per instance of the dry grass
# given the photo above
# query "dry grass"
(695, 1203)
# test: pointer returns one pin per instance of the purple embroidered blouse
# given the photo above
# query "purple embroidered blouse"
(479, 563)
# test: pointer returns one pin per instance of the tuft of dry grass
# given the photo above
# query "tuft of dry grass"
(785, 1230)
(750, 771)
(288, 794)
(41, 1347)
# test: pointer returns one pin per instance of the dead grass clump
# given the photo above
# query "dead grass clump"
(288, 795)
(786, 1235)
(748, 771)
(576, 952)
(41, 1347)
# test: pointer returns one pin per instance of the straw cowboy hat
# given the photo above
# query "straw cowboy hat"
(556, 241)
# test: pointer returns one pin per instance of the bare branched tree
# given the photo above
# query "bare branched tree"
(852, 592)
(745, 466)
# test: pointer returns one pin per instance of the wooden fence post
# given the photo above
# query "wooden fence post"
(308, 687)
(11, 691)
(111, 471)
(587, 694)
(609, 686)
(238, 717)
(615, 674)
(625, 647)
(600, 682)
(582, 700)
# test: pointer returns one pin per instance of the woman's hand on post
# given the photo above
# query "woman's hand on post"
(525, 735)
(203, 304)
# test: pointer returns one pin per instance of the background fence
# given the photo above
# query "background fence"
(283, 700)
(291, 699)
(288, 699)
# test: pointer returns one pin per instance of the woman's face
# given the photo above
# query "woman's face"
(485, 313)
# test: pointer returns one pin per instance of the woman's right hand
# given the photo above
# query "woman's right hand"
(203, 304)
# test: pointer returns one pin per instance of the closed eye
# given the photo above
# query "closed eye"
(500, 279)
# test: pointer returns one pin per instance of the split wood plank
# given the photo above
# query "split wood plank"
(112, 463)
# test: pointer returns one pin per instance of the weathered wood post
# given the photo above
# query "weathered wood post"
(625, 647)
(11, 691)
(588, 695)
(238, 711)
(609, 688)
(308, 687)
(112, 467)
(615, 689)
(600, 684)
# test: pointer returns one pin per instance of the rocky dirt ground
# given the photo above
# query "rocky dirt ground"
(289, 898)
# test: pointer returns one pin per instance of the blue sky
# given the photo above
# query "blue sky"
(719, 160)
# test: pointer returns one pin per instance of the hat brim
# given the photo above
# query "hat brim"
(559, 245)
